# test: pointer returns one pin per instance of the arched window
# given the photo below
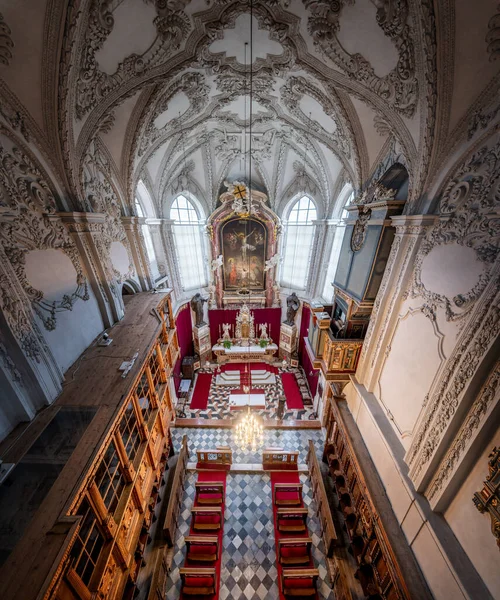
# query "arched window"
(188, 244)
(298, 244)
(327, 293)
(148, 242)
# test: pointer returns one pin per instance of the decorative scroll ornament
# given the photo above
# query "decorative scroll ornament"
(493, 36)
(359, 230)
(26, 203)
(488, 499)
(6, 43)
(468, 216)
(172, 27)
(399, 88)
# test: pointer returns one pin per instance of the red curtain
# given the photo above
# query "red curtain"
(305, 361)
(185, 337)
(271, 316)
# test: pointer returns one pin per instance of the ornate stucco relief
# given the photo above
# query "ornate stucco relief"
(6, 43)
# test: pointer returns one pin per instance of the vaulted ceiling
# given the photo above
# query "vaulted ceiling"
(158, 91)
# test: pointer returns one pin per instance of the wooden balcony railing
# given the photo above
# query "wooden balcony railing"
(341, 355)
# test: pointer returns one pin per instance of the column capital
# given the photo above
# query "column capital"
(412, 224)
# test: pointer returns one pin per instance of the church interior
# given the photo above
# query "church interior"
(249, 299)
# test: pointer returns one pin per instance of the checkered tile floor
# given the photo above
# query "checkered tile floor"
(248, 569)
(218, 400)
(209, 438)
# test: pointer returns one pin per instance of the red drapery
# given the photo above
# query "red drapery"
(305, 361)
(271, 316)
(185, 337)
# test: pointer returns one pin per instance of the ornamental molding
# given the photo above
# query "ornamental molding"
(6, 43)
(27, 223)
(359, 230)
(468, 216)
(493, 36)
(399, 88)
(10, 365)
(93, 85)
(479, 412)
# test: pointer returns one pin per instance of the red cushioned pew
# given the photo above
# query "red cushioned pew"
(292, 520)
(299, 582)
(287, 494)
(202, 548)
(295, 551)
(198, 582)
(210, 493)
(206, 518)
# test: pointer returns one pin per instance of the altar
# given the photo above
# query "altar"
(244, 346)
(239, 401)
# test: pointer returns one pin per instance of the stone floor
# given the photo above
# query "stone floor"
(209, 438)
(248, 569)
(218, 405)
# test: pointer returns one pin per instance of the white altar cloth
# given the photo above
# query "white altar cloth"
(252, 400)
(245, 349)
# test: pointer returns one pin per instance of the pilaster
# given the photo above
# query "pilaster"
(86, 230)
(133, 229)
(173, 265)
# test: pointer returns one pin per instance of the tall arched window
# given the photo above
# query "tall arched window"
(189, 244)
(327, 293)
(148, 242)
(298, 244)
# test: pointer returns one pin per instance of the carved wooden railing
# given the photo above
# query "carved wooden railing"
(174, 502)
(341, 355)
(321, 498)
(220, 456)
(377, 569)
(277, 458)
(159, 575)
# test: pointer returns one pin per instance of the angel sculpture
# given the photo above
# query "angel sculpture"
(272, 262)
(225, 329)
(217, 262)
(263, 331)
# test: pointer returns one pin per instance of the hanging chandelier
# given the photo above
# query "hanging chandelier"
(249, 432)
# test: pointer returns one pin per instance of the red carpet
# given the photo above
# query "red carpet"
(292, 392)
(199, 400)
(284, 477)
(210, 476)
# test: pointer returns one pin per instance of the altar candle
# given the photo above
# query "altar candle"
(220, 331)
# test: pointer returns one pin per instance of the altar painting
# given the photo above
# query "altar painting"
(244, 243)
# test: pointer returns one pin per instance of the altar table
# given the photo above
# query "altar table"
(256, 401)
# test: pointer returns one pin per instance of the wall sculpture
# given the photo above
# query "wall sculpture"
(488, 499)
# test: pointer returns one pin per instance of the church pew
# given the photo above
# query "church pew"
(299, 582)
(294, 551)
(287, 494)
(198, 581)
(279, 459)
(209, 493)
(219, 457)
(292, 520)
(202, 548)
(207, 518)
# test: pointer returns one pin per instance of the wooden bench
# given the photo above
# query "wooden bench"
(176, 493)
(209, 493)
(198, 581)
(202, 548)
(299, 582)
(279, 459)
(287, 494)
(295, 551)
(292, 520)
(222, 455)
(207, 518)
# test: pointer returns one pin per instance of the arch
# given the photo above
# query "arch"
(143, 198)
(129, 287)
(298, 242)
(344, 198)
(190, 246)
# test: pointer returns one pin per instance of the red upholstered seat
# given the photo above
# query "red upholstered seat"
(199, 582)
(290, 522)
(291, 551)
(203, 496)
(287, 496)
(203, 549)
(299, 582)
(208, 519)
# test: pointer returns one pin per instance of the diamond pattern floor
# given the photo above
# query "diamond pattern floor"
(289, 439)
(248, 569)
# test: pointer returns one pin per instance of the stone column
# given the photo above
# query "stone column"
(86, 231)
(171, 255)
(155, 226)
(332, 229)
(133, 229)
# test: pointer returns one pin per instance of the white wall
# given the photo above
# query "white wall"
(473, 529)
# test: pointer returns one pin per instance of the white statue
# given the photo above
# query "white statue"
(272, 262)
(225, 329)
(217, 262)
(263, 331)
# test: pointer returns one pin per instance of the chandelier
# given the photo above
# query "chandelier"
(249, 432)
